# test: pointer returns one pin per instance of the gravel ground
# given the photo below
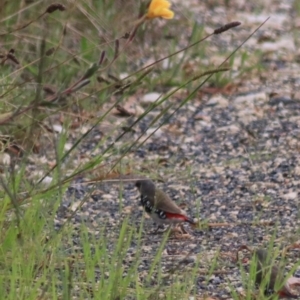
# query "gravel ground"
(224, 170)
(229, 157)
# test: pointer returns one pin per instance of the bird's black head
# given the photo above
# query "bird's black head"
(145, 186)
(138, 184)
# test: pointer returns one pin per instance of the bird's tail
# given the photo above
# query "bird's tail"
(190, 220)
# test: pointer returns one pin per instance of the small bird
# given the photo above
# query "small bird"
(159, 205)
(274, 274)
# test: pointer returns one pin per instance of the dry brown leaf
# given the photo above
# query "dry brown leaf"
(293, 281)
(122, 111)
(130, 108)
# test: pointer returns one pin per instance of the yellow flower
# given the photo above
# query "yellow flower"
(159, 8)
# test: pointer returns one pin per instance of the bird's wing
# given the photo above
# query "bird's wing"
(166, 204)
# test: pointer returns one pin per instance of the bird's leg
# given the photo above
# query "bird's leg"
(160, 226)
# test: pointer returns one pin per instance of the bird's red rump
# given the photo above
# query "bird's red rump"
(176, 216)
